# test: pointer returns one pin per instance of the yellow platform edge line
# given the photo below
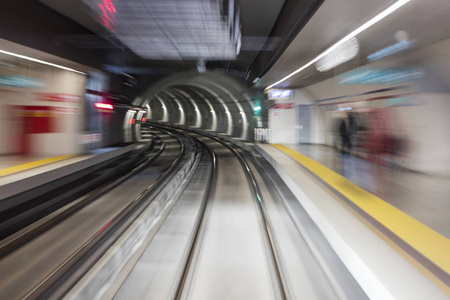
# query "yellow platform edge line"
(33, 164)
(428, 242)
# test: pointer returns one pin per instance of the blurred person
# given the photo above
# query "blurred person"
(379, 142)
(346, 130)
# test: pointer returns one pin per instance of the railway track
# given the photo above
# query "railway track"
(201, 221)
(52, 253)
(218, 223)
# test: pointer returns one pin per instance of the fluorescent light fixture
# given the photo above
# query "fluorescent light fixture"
(345, 52)
(180, 108)
(227, 111)
(212, 110)
(355, 32)
(41, 61)
(280, 94)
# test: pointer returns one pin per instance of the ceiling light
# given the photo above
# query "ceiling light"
(275, 94)
(355, 32)
(338, 56)
(41, 62)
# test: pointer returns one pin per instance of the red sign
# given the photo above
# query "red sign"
(38, 119)
(53, 97)
(31, 120)
(284, 106)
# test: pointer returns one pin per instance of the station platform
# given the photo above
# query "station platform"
(389, 226)
(13, 164)
(423, 197)
(22, 173)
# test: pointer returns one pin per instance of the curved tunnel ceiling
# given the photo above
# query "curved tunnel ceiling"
(208, 101)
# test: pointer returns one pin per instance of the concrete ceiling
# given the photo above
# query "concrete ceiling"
(257, 20)
(424, 21)
(67, 29)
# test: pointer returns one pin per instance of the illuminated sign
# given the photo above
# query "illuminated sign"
(21, 81)
(381, 75)
(104, 106)
(390, 50)
(280, 93)
(284, 106)
(108, 15)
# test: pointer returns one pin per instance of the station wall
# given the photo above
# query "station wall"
(286, 127)
(418, 109)
(41, 109)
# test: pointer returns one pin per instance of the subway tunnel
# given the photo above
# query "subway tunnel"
(224, 149)
(208, 101)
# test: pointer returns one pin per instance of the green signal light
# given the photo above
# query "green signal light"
(257, 108)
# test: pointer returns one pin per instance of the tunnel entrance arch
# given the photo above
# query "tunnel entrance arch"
(206, 100)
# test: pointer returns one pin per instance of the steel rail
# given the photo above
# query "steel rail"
(109, 225)
(282, 286)
(24, 235)
(200, 222)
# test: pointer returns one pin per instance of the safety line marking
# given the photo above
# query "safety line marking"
(33, 164)
(425, 240)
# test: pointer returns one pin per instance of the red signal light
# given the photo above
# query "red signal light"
(104, 106)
